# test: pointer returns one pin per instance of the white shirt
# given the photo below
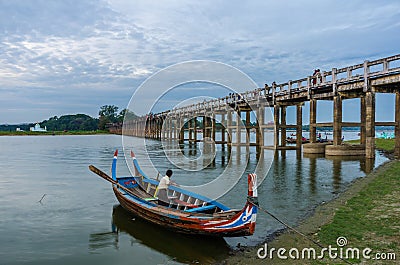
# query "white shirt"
(164, 183)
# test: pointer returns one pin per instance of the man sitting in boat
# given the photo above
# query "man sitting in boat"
(163, 188)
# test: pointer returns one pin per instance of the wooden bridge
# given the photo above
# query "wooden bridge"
(224, 115)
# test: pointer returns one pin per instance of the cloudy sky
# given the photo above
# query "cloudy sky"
(66, 57)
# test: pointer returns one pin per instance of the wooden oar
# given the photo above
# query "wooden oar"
(109, 179)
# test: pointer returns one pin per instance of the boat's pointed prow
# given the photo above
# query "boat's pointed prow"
(252, 185)
(114, 166)
(252, 200)
(137, 170)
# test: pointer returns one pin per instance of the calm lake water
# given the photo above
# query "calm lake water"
(79, 221)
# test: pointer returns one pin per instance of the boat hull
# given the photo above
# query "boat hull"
(241, 224)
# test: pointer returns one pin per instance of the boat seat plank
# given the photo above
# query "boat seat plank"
(200, 209)
(151, 199)
(183, 203)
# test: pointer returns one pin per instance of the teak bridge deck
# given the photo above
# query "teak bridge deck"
(357, 81)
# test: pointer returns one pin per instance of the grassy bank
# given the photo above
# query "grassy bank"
(367, 214)
(371, 218)
(15, 133)
(381, 144)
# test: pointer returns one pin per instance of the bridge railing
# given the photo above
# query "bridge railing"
(354, 73)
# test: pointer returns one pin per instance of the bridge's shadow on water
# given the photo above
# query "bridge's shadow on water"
(181, 248)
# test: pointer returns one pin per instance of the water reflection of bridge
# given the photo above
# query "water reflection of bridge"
(231, 115)
(276, 164)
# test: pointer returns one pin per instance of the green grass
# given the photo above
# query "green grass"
(15, 133)
(381, 144)
(385, 144)
(370, 219)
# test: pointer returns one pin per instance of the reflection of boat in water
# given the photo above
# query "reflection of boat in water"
(103, 240)
(180, 247)
(184, 212)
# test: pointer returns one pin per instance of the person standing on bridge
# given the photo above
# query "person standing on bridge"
(316, 77)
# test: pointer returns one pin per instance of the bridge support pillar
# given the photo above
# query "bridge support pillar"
(276, 126)
(337, 120)
(370, 124)
(260, 127)
(363, 120)
(238, 127)
(313, 120)
(213, 127)
(223, 128)
(397, 126)
(181, 130)
(195, 129)
(283, 126)
(229, 126)
(299, 125)
(248, 124)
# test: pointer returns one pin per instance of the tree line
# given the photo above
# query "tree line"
(108, 115)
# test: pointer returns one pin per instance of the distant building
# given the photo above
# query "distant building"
(19, 129)
(37, 128)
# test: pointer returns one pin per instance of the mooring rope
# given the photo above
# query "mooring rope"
(293, 229)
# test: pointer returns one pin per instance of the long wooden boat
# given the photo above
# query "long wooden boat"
(187, 212)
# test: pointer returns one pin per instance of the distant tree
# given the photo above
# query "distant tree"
(107, 114)
(127, 115)
(74, 122)
(121, 115)
(108, 111)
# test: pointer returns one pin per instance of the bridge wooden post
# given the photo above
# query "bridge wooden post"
(370, 124)
(276, 126)
(283, 126)
(248, 122)
(337, 120)
(176, 128)
(362, 120)
(213, 127)
(170, 123)
(229, 126)
(155, 129)
(238, 127)
(313, 120)
(208, 127)
(190, 129)
(148, 127)
(223, 128)
(181, 130)
(260, 126)
(195, 129)
(159, 128)
(299, 125)
(397, 126)
(172, 127)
